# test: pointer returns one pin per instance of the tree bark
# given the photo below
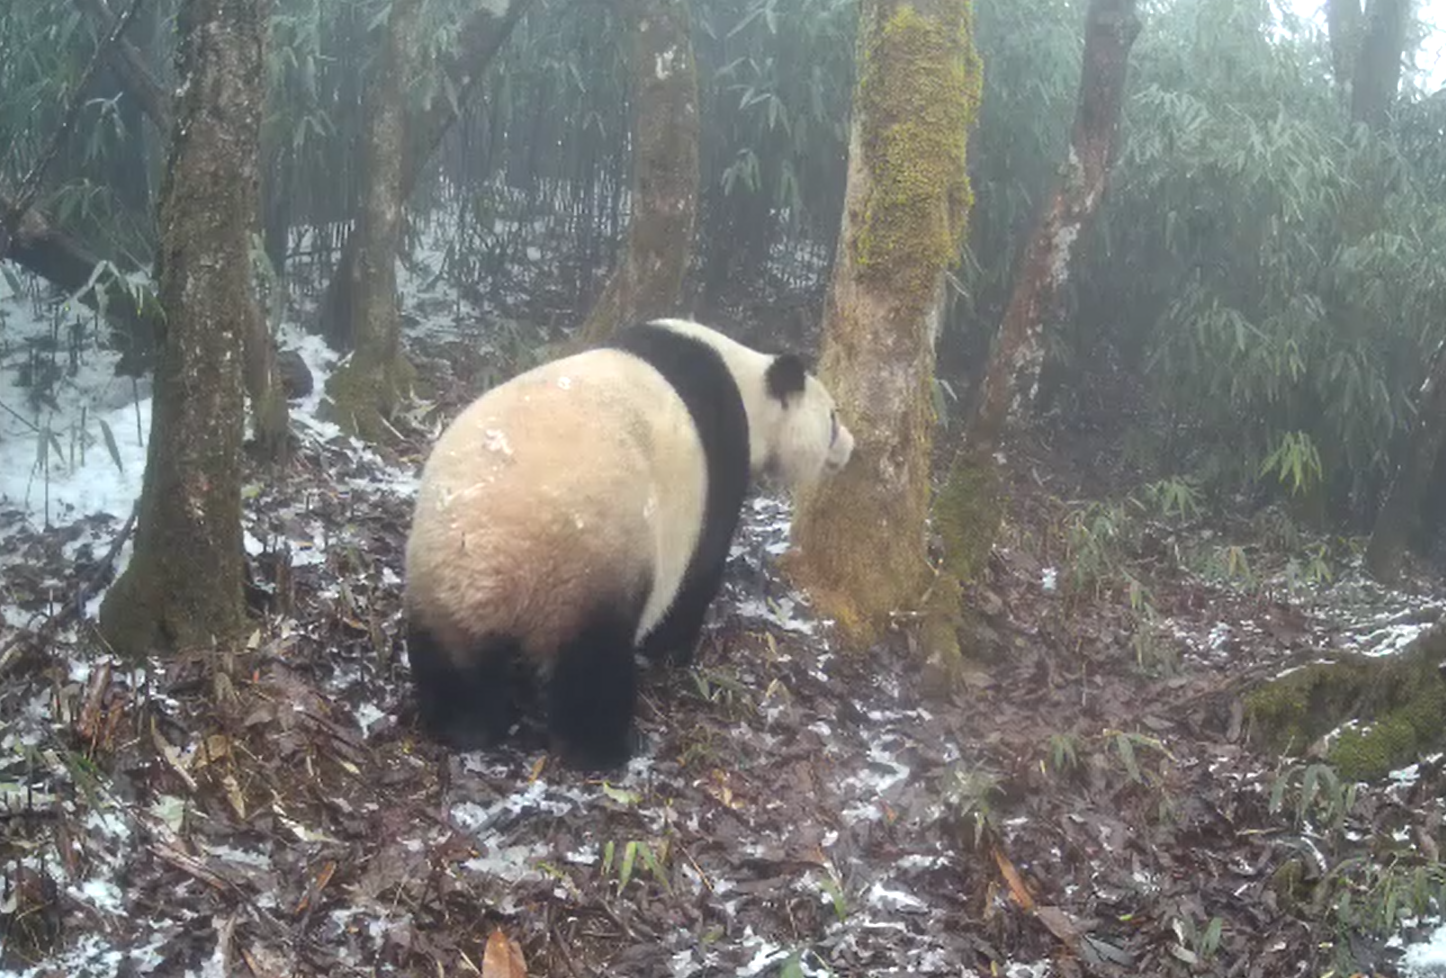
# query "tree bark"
(1377, 75)
(481, 38)
(664, 205)
(1343, 26)
(270, 416)
(969, 506)
(183, 587)
(1012, 378)
(362, 394)
(1401, 509)
(861, 535)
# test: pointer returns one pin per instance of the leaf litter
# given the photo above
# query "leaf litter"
(798, 810)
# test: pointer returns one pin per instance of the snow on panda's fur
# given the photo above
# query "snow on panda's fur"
(585, 509)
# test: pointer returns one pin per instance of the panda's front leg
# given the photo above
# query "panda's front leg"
(676, 637)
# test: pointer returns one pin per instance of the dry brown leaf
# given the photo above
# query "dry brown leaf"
(1060, 924)
(503, 958)
(1011, 876)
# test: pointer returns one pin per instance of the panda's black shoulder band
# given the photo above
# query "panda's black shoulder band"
(703, 380)
(786, 376)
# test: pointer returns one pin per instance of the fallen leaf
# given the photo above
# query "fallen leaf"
(1011, 876)
(503, 958)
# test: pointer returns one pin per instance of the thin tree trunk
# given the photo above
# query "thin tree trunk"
(1012, 378)
(481, 38)
(1343, 25)
(861, 535)
(664, 203)
(270, 417)
(1377, 75)
(363, 392)
(183, 587)
(968, 510)
(1401, 509)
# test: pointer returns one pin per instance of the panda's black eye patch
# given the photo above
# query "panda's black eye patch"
(785, 376)
(832, 427)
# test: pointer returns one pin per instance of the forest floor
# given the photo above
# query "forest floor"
(1086, 804)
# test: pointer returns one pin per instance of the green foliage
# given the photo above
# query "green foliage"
(1270, 272)
(1314, 792)
(1288, 288)
(47, 46)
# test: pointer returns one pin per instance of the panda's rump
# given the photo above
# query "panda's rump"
(556, 494)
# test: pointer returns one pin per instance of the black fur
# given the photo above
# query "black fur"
(591, 695)
(594, 690)
(701, 378)
(786, 376)
(464, 708)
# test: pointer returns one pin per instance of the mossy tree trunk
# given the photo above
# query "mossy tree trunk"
(362, 394)
(479, 40)
(969, 506)
(183, 587)
(1400, 512)
(664, 201)
(861, 535)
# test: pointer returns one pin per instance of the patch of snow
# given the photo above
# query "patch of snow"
(1426, 959)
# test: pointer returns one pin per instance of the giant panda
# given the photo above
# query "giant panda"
(584, 510)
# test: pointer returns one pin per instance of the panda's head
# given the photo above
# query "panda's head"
(794, 427)
(795, 435)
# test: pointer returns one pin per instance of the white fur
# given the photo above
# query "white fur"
(575, 480)
(793, 439)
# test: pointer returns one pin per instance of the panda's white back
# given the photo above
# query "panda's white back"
(573, 481)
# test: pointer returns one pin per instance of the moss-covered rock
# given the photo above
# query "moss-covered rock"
(1400, 701)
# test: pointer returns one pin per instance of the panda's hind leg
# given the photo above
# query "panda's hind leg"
(593, 691)
(464, 707)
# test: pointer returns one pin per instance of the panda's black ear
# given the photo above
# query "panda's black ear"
(785, 376)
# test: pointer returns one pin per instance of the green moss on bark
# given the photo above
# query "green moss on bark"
(1401, 701)
(861, 535)
(363, 394)
(967, 512)
(920, 81)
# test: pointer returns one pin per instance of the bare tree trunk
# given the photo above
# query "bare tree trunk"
(1377, 75)
(1401, 509)
(362, 394)
(1343, 25)
(480, 39)
(968, 511)
(183, 587)
(664, 91)
(861, 535)
(1012, 378)
(268, 401)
